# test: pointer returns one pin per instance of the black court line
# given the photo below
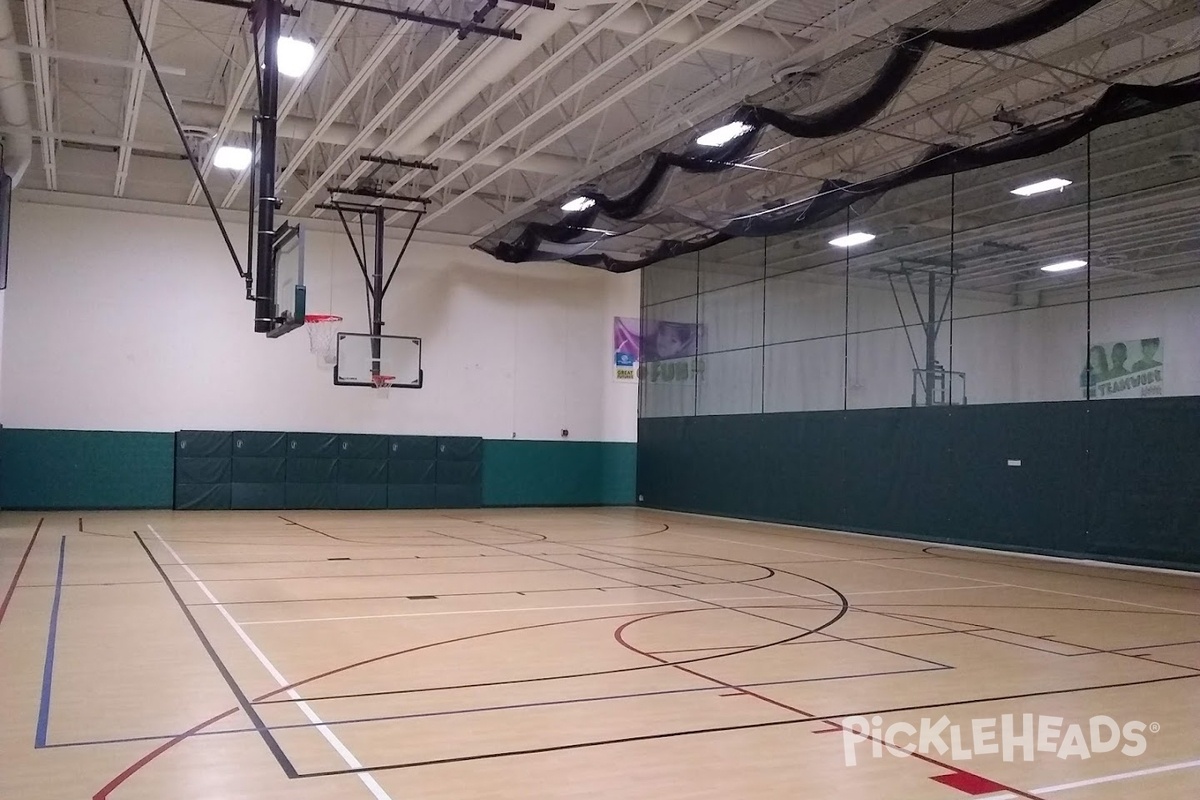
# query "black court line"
(482, 709)
(725, 729)
(284, 763)
(330, 576)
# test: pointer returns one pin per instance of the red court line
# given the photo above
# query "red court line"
(12, 587)
(958, 778)
(155, 753)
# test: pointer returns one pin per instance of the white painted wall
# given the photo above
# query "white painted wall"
(122, 321)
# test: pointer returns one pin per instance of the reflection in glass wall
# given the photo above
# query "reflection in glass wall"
(1065, 277)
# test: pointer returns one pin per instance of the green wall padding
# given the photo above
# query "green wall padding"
(202, 470)
(459, 473)
(413, 448)
(258, 495)
(312, 470)
(459, 448)
(202, 496)
(411, 472)
(552, 473)
(413, 496)
(248, 444)
(45, 469)
(464, 496)
(362, 445)
(362, 470)
(313, 445)
(1110, 479)
(350, 496)
(204, 444)
(265, 469)
(310, 495)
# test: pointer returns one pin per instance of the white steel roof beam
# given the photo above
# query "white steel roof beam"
(378, 55)
(133, 93)
(37, 20)
(665, 63)
(329, 38)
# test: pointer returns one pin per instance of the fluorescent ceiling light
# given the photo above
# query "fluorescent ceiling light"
(1065, 266)
(723, 134)
(578, 204)
(1048, 185)
(236, 158)
(851, 239)
(294, 56)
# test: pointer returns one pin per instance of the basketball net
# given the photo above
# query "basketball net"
(381, 385)
(322, 336)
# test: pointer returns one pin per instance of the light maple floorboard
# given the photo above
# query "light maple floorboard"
(567, 653)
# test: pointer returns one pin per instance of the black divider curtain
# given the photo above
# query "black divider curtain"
(863, 81)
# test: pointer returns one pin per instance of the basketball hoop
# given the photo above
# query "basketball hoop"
(322, 336)
(380, 385)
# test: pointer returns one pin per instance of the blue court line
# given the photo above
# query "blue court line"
(43, 722)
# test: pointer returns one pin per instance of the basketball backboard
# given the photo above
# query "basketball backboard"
(287, 289)
(362, 357)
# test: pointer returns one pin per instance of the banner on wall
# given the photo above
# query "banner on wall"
(1132, 368)
(665, 347)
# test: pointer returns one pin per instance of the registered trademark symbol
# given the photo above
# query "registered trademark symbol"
(1155, 727)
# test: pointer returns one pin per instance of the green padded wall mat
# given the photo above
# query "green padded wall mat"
(258, 495)
(555, 473)
(204, 444)
(247, 444)
(459, 448)
(265, 469)
(47, 469)
(1115, 479)
(313, 445)
(362, 470)
(362, 445)
(411, 496)
(411, 471)
(362, 495)
(202, 497)
(312, 470)
(202, 470)
(413, 448)
(310, 495)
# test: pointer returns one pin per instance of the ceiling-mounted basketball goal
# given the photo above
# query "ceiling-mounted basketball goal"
(273, 270)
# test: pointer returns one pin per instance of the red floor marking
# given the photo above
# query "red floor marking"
(12, 587)
(969, 783)
(155, 753)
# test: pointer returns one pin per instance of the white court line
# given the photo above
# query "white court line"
(961, 577)
(353, 763)
(1037, 589)
(1122, 776)
(507, 610)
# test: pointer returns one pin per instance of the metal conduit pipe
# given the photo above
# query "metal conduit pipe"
(14, 102)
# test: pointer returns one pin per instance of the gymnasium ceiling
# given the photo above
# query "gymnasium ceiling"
(514, 125)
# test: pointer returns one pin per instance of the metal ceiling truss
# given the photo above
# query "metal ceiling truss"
(38, 19)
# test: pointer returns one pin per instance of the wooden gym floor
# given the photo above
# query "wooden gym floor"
(565, 654)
